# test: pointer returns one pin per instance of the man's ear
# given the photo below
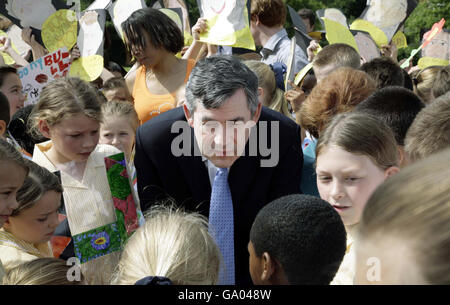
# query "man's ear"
(189, 117)
(391, 171)
(268, 267)
(2, 128)
(44, 128)
(255, 117)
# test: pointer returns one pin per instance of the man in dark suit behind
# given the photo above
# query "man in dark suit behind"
(179, 152)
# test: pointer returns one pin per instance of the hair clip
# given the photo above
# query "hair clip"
(154, 280)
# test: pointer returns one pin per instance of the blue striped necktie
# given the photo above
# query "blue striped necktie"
(221, 224)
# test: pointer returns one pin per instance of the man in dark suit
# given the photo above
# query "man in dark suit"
(180, 153)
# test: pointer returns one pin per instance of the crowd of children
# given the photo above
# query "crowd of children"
(375, 179)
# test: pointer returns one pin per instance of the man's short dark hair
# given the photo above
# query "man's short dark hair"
(396, 106)
(441, 84)
(304, 234)
(384, 71)
(408, 80)
(306, 13)
(4, 109)
(5, 70)
(216, 78)
(115, 82)
(162, 30)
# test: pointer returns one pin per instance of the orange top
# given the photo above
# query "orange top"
(149, 105)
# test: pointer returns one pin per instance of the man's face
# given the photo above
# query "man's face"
(222, 133)
(309, 27)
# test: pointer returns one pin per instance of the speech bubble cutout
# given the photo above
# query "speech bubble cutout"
(60, 30)
(337, 33)
(377, 34)
(425, 62)
(87, 68)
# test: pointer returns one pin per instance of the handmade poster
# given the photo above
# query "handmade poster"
(87, 68)
(368, 49)
(228, 23)
(6, 58)
(90, 38)
(42, 71)
(388, 15)
(32, 13)
(377, 34)
(301, 36)
(338, 33)
(181, 4)
(99, 5)
(119, 183)
(439, 46)
(61, 241)
(121, 10)
(425, 62)
(15, 33)
(399, 40)
(332, 14)
(175, 14)
(60, 30)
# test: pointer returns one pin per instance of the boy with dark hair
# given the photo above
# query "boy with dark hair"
(308, 17)
(397, 107)
(116, 89)
(441, 83)
(4, 115)
(296, 239)
(384, 71)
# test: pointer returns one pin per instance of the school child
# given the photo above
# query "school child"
(355, 154)
(116, 89)
(26, 234)
(13, 171)
(69, 114)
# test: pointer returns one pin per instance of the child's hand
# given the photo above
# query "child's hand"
(200, 27)
(75, 53)
(5, 44)
(27, 36)
(313, 47)
(295, 97)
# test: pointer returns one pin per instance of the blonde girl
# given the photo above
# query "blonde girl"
(43, 271)
(355, 154)
(69, 114)
(26, 234)
(13, 171)
(172, 247)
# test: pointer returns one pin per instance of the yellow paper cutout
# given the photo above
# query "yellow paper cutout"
(301, 75)
(337, 33)
(315, 35)
(377, 34)
(431, 61)
(87, 68)
(399, 40)
(60, 30)
(174, 16)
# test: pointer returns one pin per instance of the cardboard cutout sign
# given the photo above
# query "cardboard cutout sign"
(90, 38)
(87, 68)
(332, 14)
(121, 10)
(368, 49)
(377, 34)
(338, 33)
(439, 46)
(301, 36)
(388, 15)
(180, 4)
(176, 15)
(42, 71)
(425, 62)
(228, 23)
(399, 40)
(99, 5)
(60, 30)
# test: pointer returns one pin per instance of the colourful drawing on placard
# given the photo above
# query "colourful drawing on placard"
(228, 23)
(87, 68)
(119, 183)
(337, 33)
(31, 13)
(60, 30)
(90, 38)
(42, 71)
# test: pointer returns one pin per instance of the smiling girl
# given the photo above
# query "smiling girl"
(69, 114)
(355, 154)
(26, 234)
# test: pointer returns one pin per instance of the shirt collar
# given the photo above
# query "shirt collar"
(274, 40)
